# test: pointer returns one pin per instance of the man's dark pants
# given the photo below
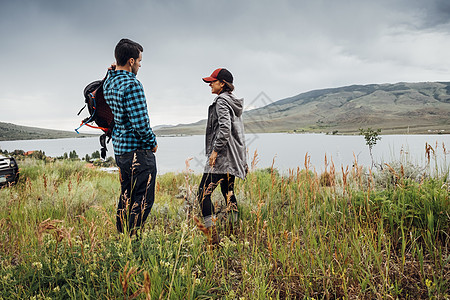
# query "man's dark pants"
(137, 180)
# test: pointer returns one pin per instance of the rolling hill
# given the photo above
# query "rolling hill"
(12, 132)
(418, 108)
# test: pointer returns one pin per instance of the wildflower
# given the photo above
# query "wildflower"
(37, 265)
(428, 283)
(182, 271)
(6, 278)
(56, 289)
(226, 243)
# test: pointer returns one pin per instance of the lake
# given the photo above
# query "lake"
(285, 151)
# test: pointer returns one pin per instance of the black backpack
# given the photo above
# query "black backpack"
(100, 112)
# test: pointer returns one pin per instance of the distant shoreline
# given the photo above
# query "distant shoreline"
(82, 136)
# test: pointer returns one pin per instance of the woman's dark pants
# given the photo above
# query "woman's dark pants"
(207, 185)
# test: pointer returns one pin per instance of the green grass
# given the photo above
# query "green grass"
(341, 234)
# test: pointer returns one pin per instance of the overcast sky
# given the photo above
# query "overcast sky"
(50, 50)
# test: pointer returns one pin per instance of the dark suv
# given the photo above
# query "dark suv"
(9, 171)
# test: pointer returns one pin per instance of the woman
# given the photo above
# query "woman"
(225, 149)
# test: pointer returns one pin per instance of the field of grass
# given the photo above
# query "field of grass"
(347, 233)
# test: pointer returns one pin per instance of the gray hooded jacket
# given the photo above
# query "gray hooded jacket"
(225, 135)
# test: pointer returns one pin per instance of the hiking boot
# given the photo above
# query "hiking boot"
(213, 236)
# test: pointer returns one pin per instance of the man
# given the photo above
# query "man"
(133, 139)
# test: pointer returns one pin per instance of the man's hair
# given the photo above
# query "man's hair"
(126, 49)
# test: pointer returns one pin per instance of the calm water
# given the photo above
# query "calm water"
(286, 150)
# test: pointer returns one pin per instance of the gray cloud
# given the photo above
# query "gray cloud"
(435, 13)
(52, 49)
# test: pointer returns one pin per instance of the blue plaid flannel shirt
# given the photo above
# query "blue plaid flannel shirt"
(125, 95)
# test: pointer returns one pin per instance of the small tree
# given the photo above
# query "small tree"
(18, 152)
(73, 155)
(38, 155)
(371, 137)
(95, 155)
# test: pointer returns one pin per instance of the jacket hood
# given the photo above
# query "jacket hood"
(236, 104)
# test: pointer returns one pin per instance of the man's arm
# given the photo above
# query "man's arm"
(136, 107)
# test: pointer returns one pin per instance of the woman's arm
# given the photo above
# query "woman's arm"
(224, 120)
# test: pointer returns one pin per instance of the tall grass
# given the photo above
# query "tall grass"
(346, 233)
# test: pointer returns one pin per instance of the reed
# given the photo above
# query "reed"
(345, 233)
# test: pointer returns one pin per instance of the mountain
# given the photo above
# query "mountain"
(11, 132)
(395, 108)
(418, 108)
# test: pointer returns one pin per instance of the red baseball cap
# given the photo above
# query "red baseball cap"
(219, 74)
